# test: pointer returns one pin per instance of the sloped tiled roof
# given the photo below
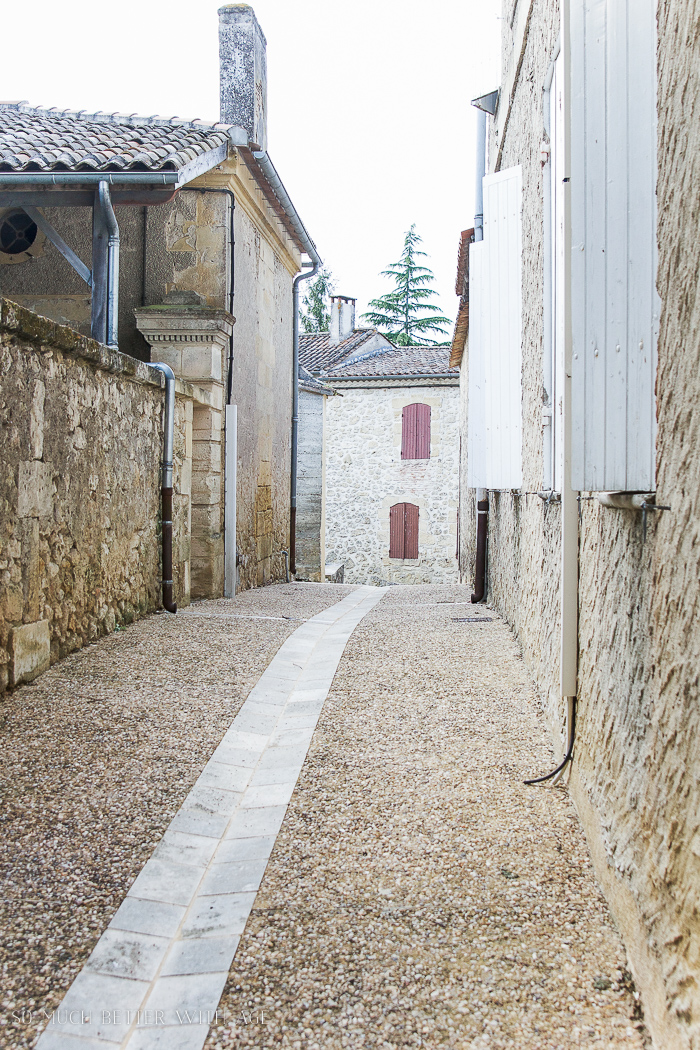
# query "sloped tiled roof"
(308, 382)
(64, 140)
(316, 352)
(403, 361)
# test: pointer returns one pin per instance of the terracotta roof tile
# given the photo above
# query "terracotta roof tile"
(404, 360)
(316, 351)
(34, 139)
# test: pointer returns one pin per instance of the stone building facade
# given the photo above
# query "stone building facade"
(206, 270)
(634, 775)
(82, 440)
(366, 475)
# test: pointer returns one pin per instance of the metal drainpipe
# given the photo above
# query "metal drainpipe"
(166, 491)
(482, 495)
(112, 264)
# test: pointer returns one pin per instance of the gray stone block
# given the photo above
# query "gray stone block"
(30, 649)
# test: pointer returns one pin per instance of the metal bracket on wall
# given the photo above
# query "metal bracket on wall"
(646, 507)
(68, 254)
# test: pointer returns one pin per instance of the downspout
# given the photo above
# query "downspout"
(482, 495)
(568, 650)
(166, 490)
(112, 264)
(310, 248)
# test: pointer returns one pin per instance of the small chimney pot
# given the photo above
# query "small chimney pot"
(342, 318)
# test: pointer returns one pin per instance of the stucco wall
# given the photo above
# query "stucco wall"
(80, 491)
(365, 477)
(310, 530)
(635, 775)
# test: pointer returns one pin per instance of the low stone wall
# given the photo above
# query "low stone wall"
(80, 491)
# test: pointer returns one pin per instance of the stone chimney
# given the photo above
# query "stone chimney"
(243, 72)
(342, 318)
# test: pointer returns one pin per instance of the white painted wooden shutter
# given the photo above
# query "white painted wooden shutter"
(495, 332)
(502, 328)
(614, 303)
(476, 412)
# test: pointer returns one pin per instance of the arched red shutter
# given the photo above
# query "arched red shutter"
(410, 543)
(415, 432)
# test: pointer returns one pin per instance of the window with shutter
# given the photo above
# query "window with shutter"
(403, 531)
(614, 302)
(494, 426)
(415, 432)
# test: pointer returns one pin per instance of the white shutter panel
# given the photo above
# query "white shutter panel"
(614, 303)
(476, 417)
(501, 332)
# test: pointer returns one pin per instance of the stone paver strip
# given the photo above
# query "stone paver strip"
(139, 982)
(419, 894)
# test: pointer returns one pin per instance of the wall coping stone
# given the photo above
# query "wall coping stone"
(45, 334)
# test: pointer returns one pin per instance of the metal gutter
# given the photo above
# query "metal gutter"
(88, 178)
(273, 179)
(271, 185)
(405, 375)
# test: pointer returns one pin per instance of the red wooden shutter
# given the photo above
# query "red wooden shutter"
(410, 544)
(422, 432)
(396, 531)
(407, 433)
(403, 531)
(415, 432)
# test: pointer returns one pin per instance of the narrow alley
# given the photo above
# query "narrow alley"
(411, 891)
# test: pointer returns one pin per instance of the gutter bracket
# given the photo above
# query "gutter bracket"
(68, 254)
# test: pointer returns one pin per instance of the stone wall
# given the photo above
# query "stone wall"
(365, 477)
(310, 530)
(80, 491)
(635, 775)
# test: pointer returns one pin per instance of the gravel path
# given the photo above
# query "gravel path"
(418, 893)
(98, 755)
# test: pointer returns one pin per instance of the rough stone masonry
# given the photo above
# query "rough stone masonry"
(80, 491)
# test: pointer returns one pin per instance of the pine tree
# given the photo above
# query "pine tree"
(406, 315)
(316, 316)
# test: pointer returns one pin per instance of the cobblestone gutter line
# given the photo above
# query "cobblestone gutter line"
(419, 895)
(98, 755)
(165, 957)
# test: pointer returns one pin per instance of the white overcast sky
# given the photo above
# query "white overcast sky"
(369, 122)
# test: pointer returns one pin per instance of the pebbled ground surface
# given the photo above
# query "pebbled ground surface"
(419, 895)
(97, 756)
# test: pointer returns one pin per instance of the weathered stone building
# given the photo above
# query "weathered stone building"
(154, 240)
(580, 379)
(391, 455)
(207, 248)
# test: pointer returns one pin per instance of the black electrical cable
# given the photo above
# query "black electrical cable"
(567, 756)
